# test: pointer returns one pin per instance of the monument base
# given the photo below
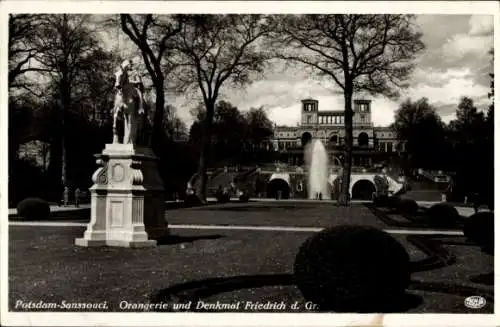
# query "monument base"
(127, 200)
(118, 243)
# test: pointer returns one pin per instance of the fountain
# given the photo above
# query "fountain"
(316, 159)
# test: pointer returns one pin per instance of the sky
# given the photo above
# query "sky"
(455, 63)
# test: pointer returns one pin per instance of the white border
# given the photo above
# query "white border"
(220, 319)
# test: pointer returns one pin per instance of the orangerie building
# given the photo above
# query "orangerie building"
(371, 144)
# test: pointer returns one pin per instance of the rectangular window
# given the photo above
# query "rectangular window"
(389, 146)
(342, 119)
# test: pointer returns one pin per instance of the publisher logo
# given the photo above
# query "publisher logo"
(475, 302)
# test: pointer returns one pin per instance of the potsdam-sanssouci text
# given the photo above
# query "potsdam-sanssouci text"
(63, 305)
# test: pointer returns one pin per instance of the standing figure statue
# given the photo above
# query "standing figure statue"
(129, 102)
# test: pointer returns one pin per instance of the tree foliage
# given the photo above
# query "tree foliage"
(236, 136)
(491, 95)
(24, 29)
(260, 126)
(473, 150)
(419, 124)
(173, 125)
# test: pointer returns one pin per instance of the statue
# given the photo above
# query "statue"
(127, 198)
(129, 102)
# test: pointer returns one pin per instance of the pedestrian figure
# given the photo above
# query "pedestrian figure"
(443, 197)
(65, 196)
(189, 189)
(476, 201)
(77, 197)
(449, 190)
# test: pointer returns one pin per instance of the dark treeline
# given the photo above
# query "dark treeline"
(61, 88)
(464, 146)
(238, 138)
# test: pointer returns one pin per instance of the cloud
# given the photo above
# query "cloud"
(465, 46)
(481, 25)
(445, 87)
(454, 41)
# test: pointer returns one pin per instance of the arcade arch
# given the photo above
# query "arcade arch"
(306, 138)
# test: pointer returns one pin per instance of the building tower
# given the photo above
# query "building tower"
(362, 113)
(309, 114)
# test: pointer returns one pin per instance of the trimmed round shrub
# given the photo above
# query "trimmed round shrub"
(390, 202)
(407, 206)
(352, 269)
(393, 201)
(33, 209)
(381, 201)
(386, 201)
(192, 199)
(244, 197)
(222, 197)
(480, 229)
(442, 214)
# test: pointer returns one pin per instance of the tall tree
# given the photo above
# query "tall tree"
(173, 125)
(423, 130)
(371, 53)
(153, 35)
(68, 41)
(473, 147)
(216, 49)
(491, 95)
(260, 127)
(94, 88)
(228, 130)
(469, 124)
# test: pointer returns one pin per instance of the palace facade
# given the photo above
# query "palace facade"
(370, 144)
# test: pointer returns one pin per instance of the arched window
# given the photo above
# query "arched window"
(334, 140)
(363, 139)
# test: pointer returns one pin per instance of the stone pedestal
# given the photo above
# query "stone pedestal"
(127, 207)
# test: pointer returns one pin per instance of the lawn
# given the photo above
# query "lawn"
(229, 265)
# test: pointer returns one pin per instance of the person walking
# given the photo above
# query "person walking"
(476, 201)
(77, 197)
(448, 191)
(66, 196)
